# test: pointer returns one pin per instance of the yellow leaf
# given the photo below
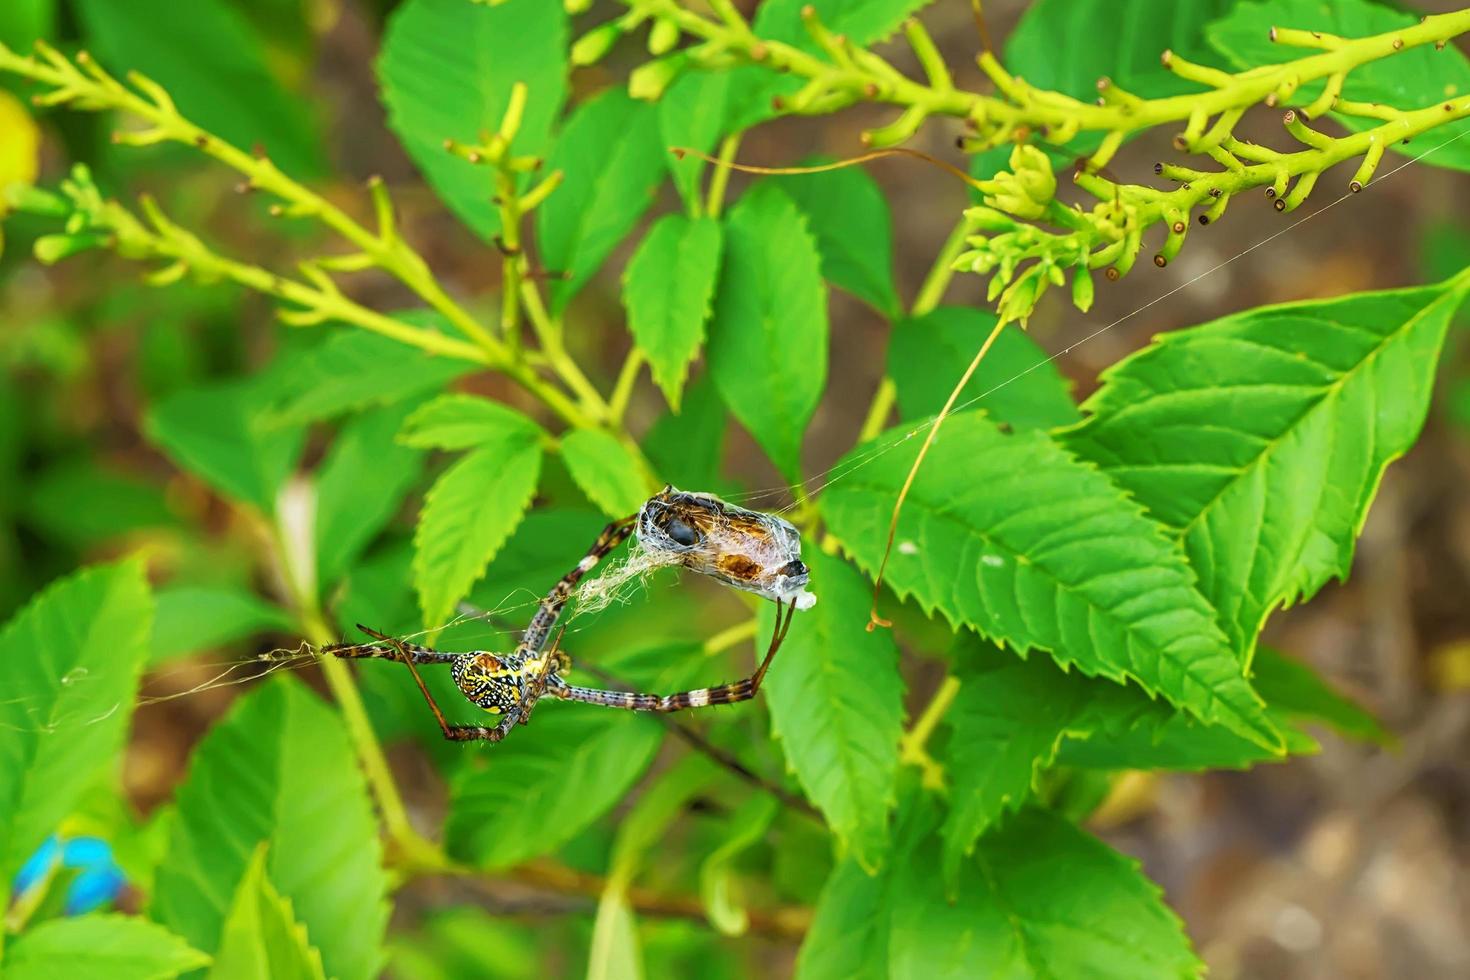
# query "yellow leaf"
(20, 150)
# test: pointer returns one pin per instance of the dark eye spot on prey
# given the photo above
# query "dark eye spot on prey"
(682, 533)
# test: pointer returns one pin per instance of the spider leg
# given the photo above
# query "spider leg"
(356, 651)
(550, 610)
(742, 690)
(454, 733)
(536, 689)
(778, 636)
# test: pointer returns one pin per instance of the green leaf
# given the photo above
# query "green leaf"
(691, 114)
(279, 769)
(1259, 439)
(768, 339)
(457, 941)
(23, 21)
(360, 484)
(1014, 718)
(1040, 898)
(1293, 687)
(1006, 724)
(747, 828)
(82, 503)
(612, 158)
(467, 515)
(1066, 46)
(99, 947)
(466, 422)
(685, 447)
(1131, 732)
(668, 289)
(836, 701)
(355, 369)
(69, 665)
(261, 937)
(848, 215)
(194, 618)
(215, 67)
(849, 932)
(1015, 383)
(552, 780)
(863, 22)
(217, 434)
(1013, 536)
(606, 471)
(1411, 79)
(848, 938)
(446, 72)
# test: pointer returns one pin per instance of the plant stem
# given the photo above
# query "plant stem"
(622, 393)
(789, 922)
(1151, 205)
(101, 91)
(731, 636)
(593, 409)
(912, 750)
(313, 626)
(720, 179)
(863, 76)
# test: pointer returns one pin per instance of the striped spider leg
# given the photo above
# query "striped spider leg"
(504, 684)
(741, 690)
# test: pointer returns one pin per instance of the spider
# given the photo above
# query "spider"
(746, 549)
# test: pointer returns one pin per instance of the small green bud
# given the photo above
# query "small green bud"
(33, 200)
(1033, 172)
(1082, 288)
(593, 46)
(989, 219)
(1014, 200)
(663, 37)
(576, 6)
(648, 82)
(51, 249)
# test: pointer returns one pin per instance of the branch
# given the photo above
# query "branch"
(1015, 246)
(84, 84)
(847, 75)
(95, 222)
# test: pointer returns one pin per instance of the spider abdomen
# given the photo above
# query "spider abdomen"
(494, 682)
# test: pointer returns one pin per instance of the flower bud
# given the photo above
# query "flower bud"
(663, 37)
(1032, 168)
(50, 249)
(33, 200)
(1082, 288)
(591, 47)
(648, 82)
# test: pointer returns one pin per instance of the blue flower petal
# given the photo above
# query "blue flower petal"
(38, 866)
(86, 852)
(93, 888)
